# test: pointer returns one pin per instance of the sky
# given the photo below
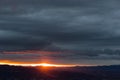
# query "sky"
(82, 32)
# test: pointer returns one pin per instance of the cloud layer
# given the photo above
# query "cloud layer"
(58, 25)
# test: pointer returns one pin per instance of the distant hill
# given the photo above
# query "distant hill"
(71, 73)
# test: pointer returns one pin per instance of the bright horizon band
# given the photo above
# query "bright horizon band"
(42, 64)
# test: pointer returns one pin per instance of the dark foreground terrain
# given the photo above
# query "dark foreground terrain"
(53, 73)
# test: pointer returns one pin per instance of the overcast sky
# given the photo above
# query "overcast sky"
(60, 31)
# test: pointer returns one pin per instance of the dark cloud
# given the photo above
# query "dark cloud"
(60, 25)
(94, 57)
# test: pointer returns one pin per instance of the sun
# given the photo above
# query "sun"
(46, 65)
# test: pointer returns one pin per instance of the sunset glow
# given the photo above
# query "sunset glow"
(48, 65)
(32, 64)
(41, 64)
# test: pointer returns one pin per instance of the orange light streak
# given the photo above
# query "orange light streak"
(8, 62)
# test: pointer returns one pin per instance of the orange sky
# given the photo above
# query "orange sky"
(8, 62)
